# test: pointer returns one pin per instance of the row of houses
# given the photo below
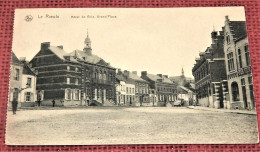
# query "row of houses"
(223, 77)
(82, 78)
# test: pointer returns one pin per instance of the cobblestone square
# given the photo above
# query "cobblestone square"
(128, 125)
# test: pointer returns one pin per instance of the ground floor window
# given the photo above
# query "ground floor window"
(77, 94)
(28, 96)
(68, 94)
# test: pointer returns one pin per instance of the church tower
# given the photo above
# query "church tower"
(87, 49)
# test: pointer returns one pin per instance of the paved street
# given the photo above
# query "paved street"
(128, 125)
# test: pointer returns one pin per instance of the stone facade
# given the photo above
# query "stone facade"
(238, 66)
(15, 81)
(125, 90)
(75, 78)
(29, 94)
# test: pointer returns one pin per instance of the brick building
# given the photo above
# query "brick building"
(210, 73)
(238, 66)
(164, 88)
(75, 77)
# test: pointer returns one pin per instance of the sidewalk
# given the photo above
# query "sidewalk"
(252, 112)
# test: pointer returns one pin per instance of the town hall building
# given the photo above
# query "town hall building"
(75, 78)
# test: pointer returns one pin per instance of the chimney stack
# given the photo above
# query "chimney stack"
(134, 72)
(160, 75)
(45, 45)
(144, 73)
(60, 46)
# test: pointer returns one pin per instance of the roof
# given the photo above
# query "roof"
(135, 77)
(155, 78)
(183, 90)
(15, 60)
(78, 54)
(238, 29)
(27, 70)
(58, 51)
(94, 59)
(120, 77)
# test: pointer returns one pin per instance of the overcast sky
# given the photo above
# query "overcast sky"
(157, 40)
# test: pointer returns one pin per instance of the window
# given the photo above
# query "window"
(29, 82)
(76, 94)
(76, 81)
(230, 58)
(239, 58)
(28, 96)
(68, 80)
(104, 77)
(76, 69)
(247, 55)
(68, 68)
(227, 38)
(67, 94)
(17, 74)
(126, 89)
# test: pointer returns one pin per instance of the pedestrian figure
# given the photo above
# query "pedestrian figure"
(39, 102)
(14, 106)
(53, 103)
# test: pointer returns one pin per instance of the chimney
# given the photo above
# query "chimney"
(144, 73)
(45, 45)
(119, 71)
(165, 76)
(126, 73)
(134, 72)
(160, 75)
(226, 17)
(23, 59)
(60, 46)
(214, 36)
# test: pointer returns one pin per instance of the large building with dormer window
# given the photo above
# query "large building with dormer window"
(74, 78)
(238, 66)
(210, 73)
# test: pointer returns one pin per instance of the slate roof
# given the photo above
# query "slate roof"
(155, 78)
(27, 70)
(238, 29)
(183, 90)
(78, 54)
(58, 51)
(135, 77)
(120, 77)
(15, 60)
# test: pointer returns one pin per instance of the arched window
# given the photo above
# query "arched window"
(235, 91)
(105, 76)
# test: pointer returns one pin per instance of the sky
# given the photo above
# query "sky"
(156, 40)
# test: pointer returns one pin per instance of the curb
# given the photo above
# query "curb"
(223, 111)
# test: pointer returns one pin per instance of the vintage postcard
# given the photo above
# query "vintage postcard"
(107, 76)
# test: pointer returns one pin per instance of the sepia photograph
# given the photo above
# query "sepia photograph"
(110, 76)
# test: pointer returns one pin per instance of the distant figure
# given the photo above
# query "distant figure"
(14, 106)
(39, 102)
(53, 103)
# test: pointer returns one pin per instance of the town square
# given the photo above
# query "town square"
(149, 82)
(128, 125)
